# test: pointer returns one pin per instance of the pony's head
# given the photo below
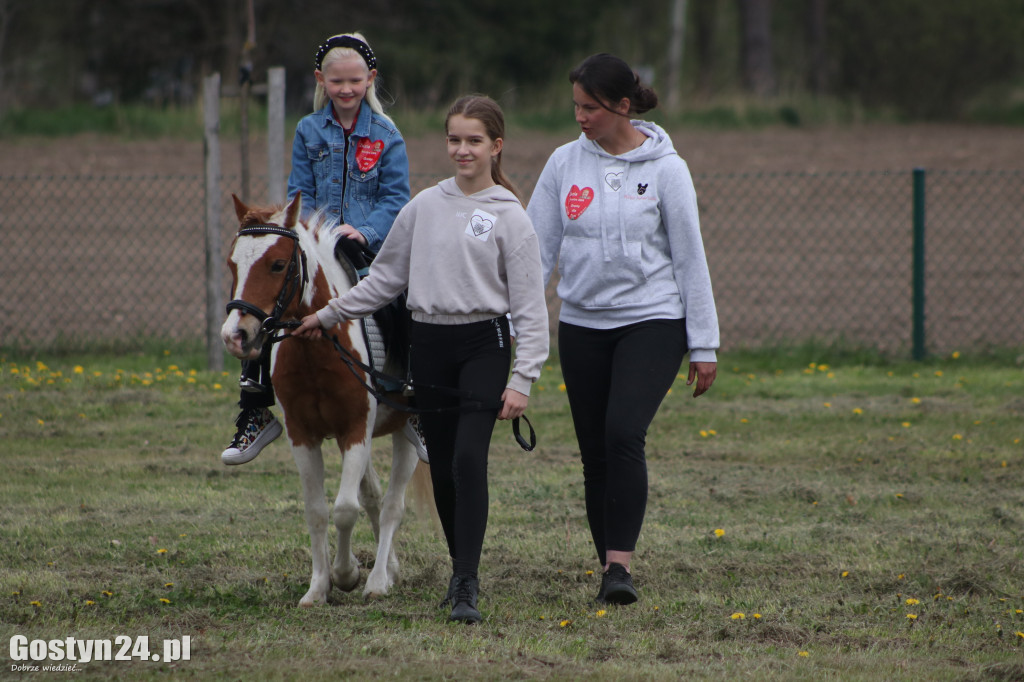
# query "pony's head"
(267, 274)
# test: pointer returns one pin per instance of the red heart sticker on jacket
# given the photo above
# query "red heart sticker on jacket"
(577, 200)
(368, 152)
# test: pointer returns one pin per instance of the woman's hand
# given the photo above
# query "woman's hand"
(514, 404)
(705, 373)
(309, 329)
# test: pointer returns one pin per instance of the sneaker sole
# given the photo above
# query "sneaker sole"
(233, 457)
(620, 596)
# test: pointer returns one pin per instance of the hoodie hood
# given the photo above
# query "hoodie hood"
(497, 193)
(657, 145)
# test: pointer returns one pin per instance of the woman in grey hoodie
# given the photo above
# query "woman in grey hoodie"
(467, 254)
(616, 210)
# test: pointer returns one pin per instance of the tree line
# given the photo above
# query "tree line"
(922, 58)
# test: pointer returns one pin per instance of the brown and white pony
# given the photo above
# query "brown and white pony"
(284, 269)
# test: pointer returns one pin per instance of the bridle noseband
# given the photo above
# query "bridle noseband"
(294, 280)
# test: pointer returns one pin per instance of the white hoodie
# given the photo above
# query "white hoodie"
(463, 259)
(625, 235)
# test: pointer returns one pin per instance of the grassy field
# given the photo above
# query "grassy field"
(812, 517)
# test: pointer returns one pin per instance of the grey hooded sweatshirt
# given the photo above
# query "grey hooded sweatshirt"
(463, 259)
(625, 235)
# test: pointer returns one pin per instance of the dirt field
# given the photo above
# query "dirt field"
(865, 148)
(807, 231)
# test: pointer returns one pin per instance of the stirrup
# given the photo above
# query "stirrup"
(250, 386)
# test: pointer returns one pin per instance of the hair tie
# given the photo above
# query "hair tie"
(346, 41)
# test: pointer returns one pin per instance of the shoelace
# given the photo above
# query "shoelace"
(464, 591)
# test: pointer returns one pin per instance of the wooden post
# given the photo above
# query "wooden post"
(275, 135)
(675, 54)
(214, 266)
(246, 90)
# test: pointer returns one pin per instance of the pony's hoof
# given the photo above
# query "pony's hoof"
(310, 600)
(346, 582)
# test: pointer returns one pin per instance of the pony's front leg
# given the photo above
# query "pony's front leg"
(345, 572)
(403, 464)
(310, 463)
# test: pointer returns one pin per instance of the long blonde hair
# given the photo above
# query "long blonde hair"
(487, 111)
(320, 98)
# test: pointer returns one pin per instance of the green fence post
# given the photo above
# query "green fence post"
(918, 267)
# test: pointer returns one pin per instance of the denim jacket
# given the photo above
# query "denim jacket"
(365, 188)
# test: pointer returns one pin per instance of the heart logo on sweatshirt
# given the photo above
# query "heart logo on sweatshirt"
(577, 200)
(480, 225)
(368, 153)
(614, 180)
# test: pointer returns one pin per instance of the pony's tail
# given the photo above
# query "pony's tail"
(421, 493)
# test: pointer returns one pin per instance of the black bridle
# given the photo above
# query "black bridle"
(295, 280)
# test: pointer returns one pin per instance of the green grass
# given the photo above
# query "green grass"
(844, 485)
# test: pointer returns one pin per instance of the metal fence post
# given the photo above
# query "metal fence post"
(214, 266)
(918, 267)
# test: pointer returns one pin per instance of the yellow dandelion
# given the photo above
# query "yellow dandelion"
(901, 576)
(191, 380)
(107, 593)
(542, 617)
(590, 573)
(97, 373)
(912, 616)
(168, 584)
(900, 495)
(15, 593)
(738, 616)
(1003, 464)
(161, 551)
(828, 404)
(657, 608)
(844, 574)
(217, 387)
(703, 433)
(719, 532)
(172, 368)
(89, 602)
(601, 613)
(79, 369)
(803, 654)
(561, 387)
(938, 373)
(712, 432)
(182, 535)
(40, 367)
(822, 368)
(912, 601)
(857, 410)
(757, 616)
(957, 436)
(744, 421)
(1018, 611)
(916, 401)
(955, 354)
(167, 352)
(36, 603)
(905, 425)
(40, 422)
(565, 623)
(164, 600)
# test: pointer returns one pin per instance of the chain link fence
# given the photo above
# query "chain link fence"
(794, 257)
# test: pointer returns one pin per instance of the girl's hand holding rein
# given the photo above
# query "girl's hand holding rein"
(309, 329)
(514, 404)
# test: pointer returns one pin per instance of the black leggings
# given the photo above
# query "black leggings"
(474, 358)
(615, 380)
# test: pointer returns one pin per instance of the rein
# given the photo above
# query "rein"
(295, 282)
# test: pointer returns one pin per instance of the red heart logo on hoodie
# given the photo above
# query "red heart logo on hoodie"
(577, 200)
(368, 152)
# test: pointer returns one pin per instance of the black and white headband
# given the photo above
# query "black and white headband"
(346, 41)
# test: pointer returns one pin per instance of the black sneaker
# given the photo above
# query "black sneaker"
(464, 611)
(447, 601)
(257, 428)
(617, 586)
